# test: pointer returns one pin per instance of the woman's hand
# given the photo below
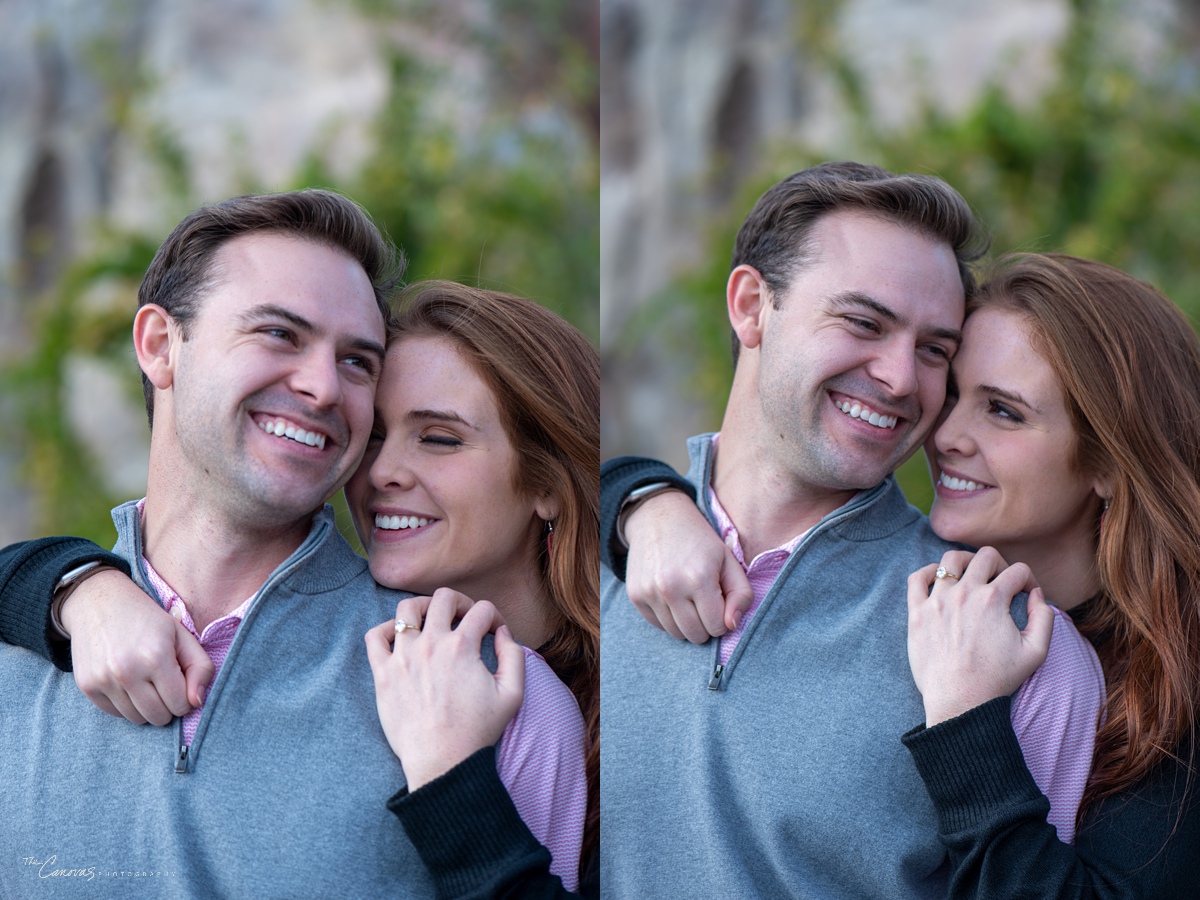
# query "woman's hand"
(963, 646)
(680, 575)
(437, 701)
(130, 656)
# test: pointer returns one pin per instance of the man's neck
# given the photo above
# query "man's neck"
(768, 507)
(212, 564)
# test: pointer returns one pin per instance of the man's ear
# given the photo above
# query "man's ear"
(155, 336)
(747, 297)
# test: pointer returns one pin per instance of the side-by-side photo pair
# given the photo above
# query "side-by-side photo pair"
(614, 450)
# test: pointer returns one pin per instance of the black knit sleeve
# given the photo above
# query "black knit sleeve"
(992, 819)
(618, 477)
(29, 572)
(472, 839)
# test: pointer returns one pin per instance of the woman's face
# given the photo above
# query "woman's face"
(999, 455)
(434, 500)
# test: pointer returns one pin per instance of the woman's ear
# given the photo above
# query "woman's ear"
(1103, 488)
(547, 508)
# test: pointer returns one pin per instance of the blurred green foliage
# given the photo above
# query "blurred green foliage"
(1105, 163)
(510, 202)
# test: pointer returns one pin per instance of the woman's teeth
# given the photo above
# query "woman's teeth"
(396, 523)
(857, 411)
(959, 484)
(280, 428)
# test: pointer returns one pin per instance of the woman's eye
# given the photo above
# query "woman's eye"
(440, 440)
(1000, 411)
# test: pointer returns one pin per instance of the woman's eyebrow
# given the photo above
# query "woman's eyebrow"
(440, 415)
(1010, 396)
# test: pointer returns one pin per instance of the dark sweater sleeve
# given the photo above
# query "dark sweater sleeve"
(473, 841)
(618, 477)
(1144, 842)
(29, 572)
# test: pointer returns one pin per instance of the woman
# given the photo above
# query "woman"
(1075, 382)
(481, 474)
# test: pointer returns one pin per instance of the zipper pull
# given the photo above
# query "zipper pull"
(714, 683)
(181, 762)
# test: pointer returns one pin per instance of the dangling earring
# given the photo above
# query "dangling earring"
(1103, 511)
(549, 537)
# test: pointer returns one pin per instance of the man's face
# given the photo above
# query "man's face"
(271, 402)
(854, 361)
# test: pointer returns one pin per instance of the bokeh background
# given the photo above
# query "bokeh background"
(596, 155)
(1069, 125)
(469, 129)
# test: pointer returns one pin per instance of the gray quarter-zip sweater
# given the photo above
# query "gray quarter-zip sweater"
(781, 775)
(282, 792)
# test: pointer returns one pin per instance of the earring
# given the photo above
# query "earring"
(549, 536)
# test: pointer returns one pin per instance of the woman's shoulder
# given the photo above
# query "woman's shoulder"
(545, 691)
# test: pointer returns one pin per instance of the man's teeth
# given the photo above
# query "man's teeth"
(396, 523)
(959, 484)
(858, 411)
(280, 428)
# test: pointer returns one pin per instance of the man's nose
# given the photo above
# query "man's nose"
(317, 377)
(896, 367)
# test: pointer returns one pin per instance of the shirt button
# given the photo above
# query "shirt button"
(177, 612)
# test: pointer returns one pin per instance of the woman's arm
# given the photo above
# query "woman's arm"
(131, 659)
(992, 820)
(678, 573)
(619, 477)
(967, 657)
(442, 712)
(29, 572)
(474, 843)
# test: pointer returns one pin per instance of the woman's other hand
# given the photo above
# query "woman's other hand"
(438, 703)
(131, 657)
(680, 575)
(963, 646)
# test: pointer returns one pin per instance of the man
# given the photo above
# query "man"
(260, 335)
(768, 763)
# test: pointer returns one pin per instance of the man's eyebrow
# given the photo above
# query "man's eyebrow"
(1005, 394)
(440, 415)
(273, 311)
(366, 345)
(861, 300)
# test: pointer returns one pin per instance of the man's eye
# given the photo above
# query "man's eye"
(937, 350)
(361, 362)
(862, 324)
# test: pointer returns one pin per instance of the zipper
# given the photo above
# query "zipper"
(718, 672)
(714, 683)
(301, 554)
